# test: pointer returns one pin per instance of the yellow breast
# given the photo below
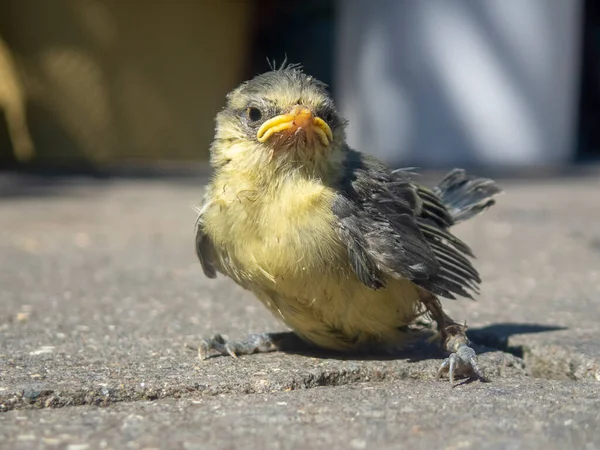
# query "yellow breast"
(284, 232)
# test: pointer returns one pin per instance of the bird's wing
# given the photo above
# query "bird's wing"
(204, 245)
(396, 228)
(214, 261)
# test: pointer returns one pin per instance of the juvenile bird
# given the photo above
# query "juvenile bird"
(341, 248)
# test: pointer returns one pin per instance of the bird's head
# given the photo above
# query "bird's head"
(282, 116)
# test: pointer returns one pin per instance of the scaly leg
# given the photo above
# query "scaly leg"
(462, 359)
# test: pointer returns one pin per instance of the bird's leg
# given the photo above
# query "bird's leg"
(462, 359)
(253, 343)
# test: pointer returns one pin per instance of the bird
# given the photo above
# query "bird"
(344, 250)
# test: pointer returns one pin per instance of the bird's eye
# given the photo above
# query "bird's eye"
(253, 113)
(328, 116)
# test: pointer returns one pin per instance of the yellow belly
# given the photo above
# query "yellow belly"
(344, 315)
(283, 246)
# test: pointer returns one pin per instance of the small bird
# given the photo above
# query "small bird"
(345, 251)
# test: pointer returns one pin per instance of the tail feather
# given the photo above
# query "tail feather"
(466, 196)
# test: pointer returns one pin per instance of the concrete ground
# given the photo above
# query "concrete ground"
(102, 303)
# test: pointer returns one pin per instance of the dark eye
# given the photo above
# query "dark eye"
(253, 113)
(328, 116)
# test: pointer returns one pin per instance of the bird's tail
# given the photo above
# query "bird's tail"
(464, 195)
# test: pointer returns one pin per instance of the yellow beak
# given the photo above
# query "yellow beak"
(300, 117)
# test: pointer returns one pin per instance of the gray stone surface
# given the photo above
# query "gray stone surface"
(405, 414)
(102, 302)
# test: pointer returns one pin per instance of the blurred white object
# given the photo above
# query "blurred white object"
(450, 82)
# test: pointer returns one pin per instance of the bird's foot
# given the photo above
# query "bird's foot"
(463, 359)
(220, 344)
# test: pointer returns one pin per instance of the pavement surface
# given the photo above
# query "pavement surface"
(102, 304)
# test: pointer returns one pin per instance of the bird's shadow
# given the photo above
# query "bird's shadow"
(486, 339)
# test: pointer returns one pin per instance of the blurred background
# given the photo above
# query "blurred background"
(432, 83)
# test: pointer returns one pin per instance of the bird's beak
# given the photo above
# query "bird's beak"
(300, 117)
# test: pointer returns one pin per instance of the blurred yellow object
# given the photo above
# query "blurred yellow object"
(123, 80)
(12, 103)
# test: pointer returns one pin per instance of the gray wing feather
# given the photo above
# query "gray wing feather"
(214, 261)
(395, 228)
(204, 246)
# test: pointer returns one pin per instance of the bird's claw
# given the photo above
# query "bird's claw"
(461, 362)
(221, 344)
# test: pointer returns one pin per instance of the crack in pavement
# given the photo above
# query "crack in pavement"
(298, 374)
(497, 355)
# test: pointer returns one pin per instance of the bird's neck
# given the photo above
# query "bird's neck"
(270, 173)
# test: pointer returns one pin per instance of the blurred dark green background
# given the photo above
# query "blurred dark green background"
(99, 82)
